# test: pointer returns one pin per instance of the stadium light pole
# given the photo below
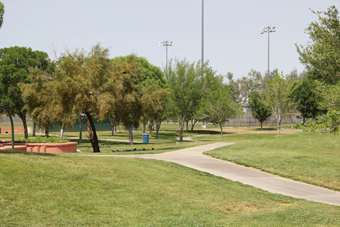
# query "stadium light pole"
(202, 50)
(268, 29)
(166, 43)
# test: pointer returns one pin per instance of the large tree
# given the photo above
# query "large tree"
(278, 92)
(321, 55)
(79, 80)
(15, 63)
(188, 87)
(259, 107)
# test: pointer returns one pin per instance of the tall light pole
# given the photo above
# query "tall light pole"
(202, 50)
(268, 30)
(166, 43)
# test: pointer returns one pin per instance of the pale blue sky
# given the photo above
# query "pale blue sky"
(232, 29)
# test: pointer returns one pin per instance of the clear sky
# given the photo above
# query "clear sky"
(233, 41)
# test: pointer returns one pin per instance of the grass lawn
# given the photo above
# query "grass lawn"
(74, 190)
(311, 158)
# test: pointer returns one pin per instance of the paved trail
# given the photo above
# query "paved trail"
(193, 157)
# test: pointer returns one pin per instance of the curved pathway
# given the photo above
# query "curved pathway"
(193, 157)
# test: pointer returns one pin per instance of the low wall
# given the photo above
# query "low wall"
(70, 147)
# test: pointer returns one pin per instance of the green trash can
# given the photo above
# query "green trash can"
(145, 138)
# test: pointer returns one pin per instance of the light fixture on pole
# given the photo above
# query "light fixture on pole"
(166, 44)
(268, 29)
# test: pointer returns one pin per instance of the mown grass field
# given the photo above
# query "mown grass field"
(76, 190)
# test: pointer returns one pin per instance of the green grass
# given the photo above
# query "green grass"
(73, 190)
(311, 158)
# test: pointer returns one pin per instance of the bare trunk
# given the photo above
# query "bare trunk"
(158, 126)
(150, 128)
(92, 133)
(261, 125)
(46, 133)
(80, 130)
(181, 131)
(61, 133)
(130, 135)
(303, 120)
(220, 124)
(23, 118)
(193, 122)
(144, 126)
(187, 124)
(33, 130)
(113, 127)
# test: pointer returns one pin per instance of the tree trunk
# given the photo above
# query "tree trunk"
(33, 129)
(158, 126)
(220, 123)
(113, 127)
(61, 133)
(193, 122)
(303, 120)
(80, 130)
(46, 133)
(92, 133)
(279, 126)
(261, 124)
(23, 118)
(144, 126)
(130, 135)
(187, 124)
(150, 128)
(181, 131)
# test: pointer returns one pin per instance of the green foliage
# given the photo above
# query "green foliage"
(259, 107)
(188, 87)
(217, 106)
(328, 123)
(15, 63)
(2, 11)
(306, 99)
(321, 55)
(253, 82)
(277, 97)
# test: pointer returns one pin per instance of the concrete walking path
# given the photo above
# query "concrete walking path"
(193, 157)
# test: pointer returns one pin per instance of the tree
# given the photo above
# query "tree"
(253, 82)
(259, 107)
(38, 97)
(277, 95)
(217, 107)
(188, 87)
(15, 63)
(79, 80)
(321, 55)
(2, 11)
(306, 99)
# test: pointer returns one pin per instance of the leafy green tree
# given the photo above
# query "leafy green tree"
(306, 99)
(39, 99)
(259, 107)
(217, 107)
(278, 92)
(188, 87)
(79, 80)
(2, 11)
(15, 63)
(321, 55)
